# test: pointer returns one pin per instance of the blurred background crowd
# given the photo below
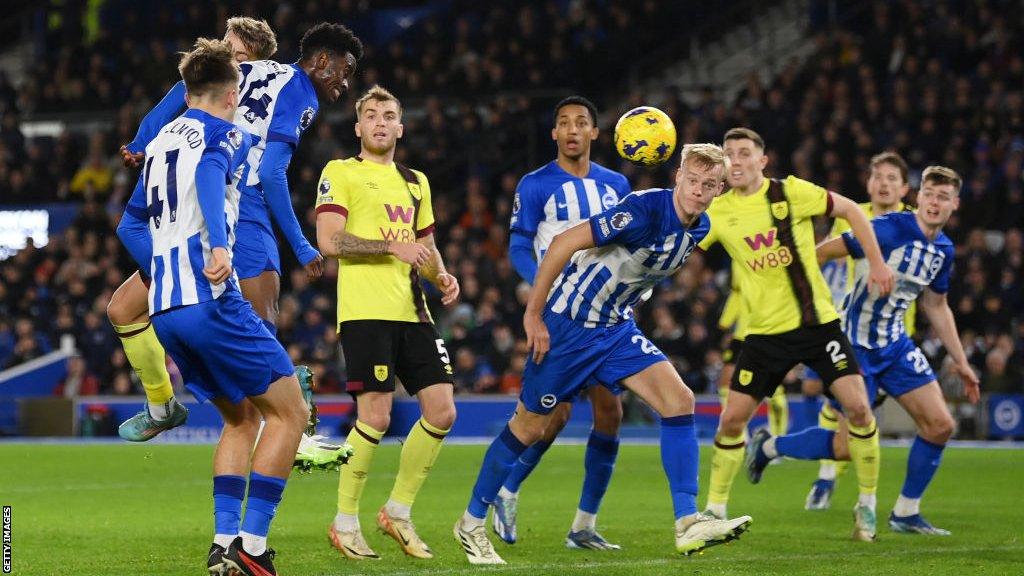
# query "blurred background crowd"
(939, 84)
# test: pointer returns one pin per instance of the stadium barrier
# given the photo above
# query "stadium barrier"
(33, 379)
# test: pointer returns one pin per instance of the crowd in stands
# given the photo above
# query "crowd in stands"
(942, 86)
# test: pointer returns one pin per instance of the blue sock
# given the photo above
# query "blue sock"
(498, 462)
(527, 461)
(922, 463)
(598, 464)
(264, 496)
(808, 444)
(270, 326)
(680, 457)
(228, 492)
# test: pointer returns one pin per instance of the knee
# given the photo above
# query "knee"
(858, 413)
(679, 403)
(528, 432)
(556, 422)
(377, 421)
(441, 418)
(608, 418)
(116, 312)
(939, 430)
(731, 426)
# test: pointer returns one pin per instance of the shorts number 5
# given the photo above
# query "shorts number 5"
(442, 351)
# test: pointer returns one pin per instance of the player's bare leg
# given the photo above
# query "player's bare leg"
(730, 440)
(661, 387)
(263, 292)
(935, 425)
(128, 312)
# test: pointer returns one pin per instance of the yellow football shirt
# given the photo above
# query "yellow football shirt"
(772, 243)
(380, 204)
(839, 226)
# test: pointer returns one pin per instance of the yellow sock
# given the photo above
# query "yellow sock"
(829, 420)
(147, 357)
(364, 441)
(725, 462)
(418, 455)
(778, 412)
(866, 457)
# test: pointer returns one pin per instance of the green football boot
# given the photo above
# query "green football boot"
(143, 427)
(315, 453)
(306, 384)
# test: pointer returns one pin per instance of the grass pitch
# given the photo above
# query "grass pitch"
(147, 509)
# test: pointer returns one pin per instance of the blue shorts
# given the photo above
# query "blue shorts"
(222, 348)
(897, 368)
(579, 356)
(255, 250)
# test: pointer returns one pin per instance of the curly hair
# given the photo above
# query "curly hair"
(335, 38)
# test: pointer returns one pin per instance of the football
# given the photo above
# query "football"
(645, 136)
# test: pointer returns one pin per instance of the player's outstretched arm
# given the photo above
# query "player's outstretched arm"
(210, 176)
(936, 307)
(273, 173)
(579, 237)
(880, 275)
(831, 249)
(335, 242)
(170, 106)
(435, 273)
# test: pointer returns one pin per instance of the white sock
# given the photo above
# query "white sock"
(398, 510)
(827, 470)
(583, 520)
(868, 500)
(159, 411)
(683, 523)
(224, 540)
(769, 448)
(505, 493)
(254, 545)
(906, 506)
(346, 522)
(470, 522)
(716, 509)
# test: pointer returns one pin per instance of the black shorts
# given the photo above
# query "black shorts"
(731, 353)
(766, 358)
(376, 351)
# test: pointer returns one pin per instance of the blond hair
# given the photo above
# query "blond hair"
(209, 67)
(942, 175)
(705, 155)
(257, 35)
(377, 94)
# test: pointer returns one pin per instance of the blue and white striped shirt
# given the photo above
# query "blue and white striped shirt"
(181, 236)
(549, 201)
(871, 321)
(640, 242)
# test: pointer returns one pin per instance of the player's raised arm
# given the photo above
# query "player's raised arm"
(273, 173)
(172, 104)
(831, 249)
(579, 237)
(880, 275)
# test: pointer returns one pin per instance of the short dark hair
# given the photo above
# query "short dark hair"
(335, 38)
(209, 66)
(942, 175)
(893, 159)
(579, 101)
(744, 134)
